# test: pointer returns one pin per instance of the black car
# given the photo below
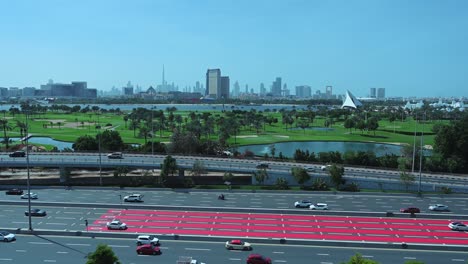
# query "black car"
(14, 191)
(36, 212)
(18, 154)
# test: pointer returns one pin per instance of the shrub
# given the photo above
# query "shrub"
(351, 187)
(281, 184)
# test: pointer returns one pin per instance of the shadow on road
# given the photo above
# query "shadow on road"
(62, 245)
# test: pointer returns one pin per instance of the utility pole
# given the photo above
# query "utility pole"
(100, 160)
(421, 154)
(27, 169)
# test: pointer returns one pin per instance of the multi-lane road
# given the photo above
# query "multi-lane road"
(336, 202)
(73, 250)
(63, 216)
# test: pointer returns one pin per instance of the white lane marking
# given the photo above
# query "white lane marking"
(62, 252)
(278, 252)
(235, 259)
(459, 260)
(409, 258)
(5, 259)
(85, 245)
(117, 246)
(40, 243)
(200, 249)
(323, 254)
(65, 218)
(50, 260)
(20, 250)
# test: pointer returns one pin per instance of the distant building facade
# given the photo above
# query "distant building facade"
(303, 91)
(217, 86)
(75, 89)
(372, 93)
(276, 87)
(381, 93)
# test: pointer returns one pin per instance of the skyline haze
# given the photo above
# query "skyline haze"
(410, 48)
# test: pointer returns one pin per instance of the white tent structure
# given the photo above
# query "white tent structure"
(351, 101)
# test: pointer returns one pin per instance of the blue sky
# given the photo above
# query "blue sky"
(412, 48)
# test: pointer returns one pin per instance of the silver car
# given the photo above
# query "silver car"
(7, 236)
(438, 207)
(116, 225)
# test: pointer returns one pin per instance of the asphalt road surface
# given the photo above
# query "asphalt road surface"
(336, 202)
(73, 250)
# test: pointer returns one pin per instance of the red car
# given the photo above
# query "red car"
(148, 249)
(258, 259)
(411, 210)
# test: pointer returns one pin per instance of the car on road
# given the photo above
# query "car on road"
(36, 212)
(14, 191)
(325, 167)
(7, 236)
(133, 198)
(147, 239)
(262, 166)
(411, 210)
(29, 196)
(115, 155)
(318, 206)
(438, 207)
(116, 225)
(148, 249)
(258, 259)
(302, 204)
(18, 154)
(238, 244)
(310, 169)
(458, 226)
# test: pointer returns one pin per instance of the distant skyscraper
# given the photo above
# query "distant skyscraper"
(372, 93)
(246, 88)
(276, 87)
(329, 91)
(217, 86)
(224, 87)
(236, 89)
(262, 89)
(303, 91)
(380, 93)
(213, 83)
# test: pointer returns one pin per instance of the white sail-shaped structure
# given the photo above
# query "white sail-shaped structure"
(351, 101)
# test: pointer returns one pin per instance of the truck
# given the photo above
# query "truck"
(188, 260)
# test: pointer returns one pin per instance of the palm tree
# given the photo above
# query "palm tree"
(22, 126)
(4, 125)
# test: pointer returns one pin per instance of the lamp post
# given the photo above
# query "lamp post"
(152, 131)
(421, 155)
(100, 160)
(414, 147)
(28, 176)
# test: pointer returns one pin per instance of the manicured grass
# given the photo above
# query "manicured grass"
(68, 127)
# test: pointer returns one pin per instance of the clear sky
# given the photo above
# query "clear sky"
(410, 47)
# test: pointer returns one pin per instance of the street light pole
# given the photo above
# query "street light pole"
(152, 131)
(414, 147)
(27, 169)
(421, 154)
(100, 160)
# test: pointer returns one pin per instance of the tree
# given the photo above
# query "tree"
(272, 150)
(169, 167)
(228, 176)
(336, 174)
(372, 124)
(198, 168)
(349, 123)
(407, 179)
(85, 143)
(110, 140)
(5, 128)
(359, 259)
(260, 176)
(300, 175)
(281, 184)
(103, 255)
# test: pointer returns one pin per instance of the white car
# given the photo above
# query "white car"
(458, 226)
(116, 225)
(326, 167)
(133, 198)
(302, 204)
(310, 169)
(318, 206)
(238, 244)
(27, 195)
(147, 239)
(115, 155)
(438, 207)
(7, 236)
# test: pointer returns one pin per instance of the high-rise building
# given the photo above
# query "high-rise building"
(213, 83)
(380, 93)
(276, 87)
(303, 91)
(262, 89)
(224, 87)
(236, 89)
(329, 91)
(372, 93)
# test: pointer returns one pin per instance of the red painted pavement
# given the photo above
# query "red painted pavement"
(308, 227)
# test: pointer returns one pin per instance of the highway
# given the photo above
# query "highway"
(73, 250)
(336, 202)
(75, 159)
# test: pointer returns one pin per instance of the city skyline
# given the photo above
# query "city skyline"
(409, 48)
